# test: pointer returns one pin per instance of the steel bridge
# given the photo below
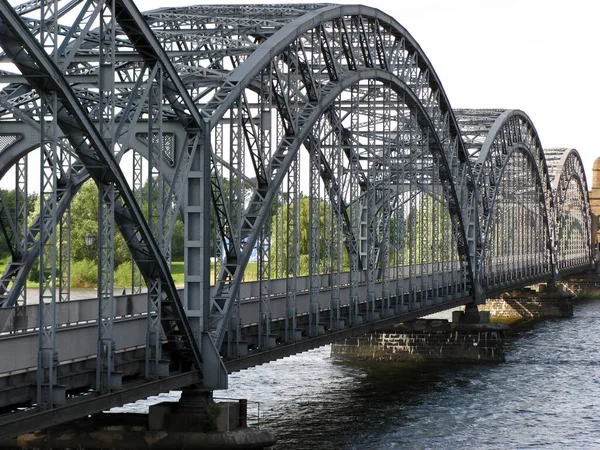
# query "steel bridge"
(325, 184)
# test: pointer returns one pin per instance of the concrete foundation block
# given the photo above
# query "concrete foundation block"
(456, 316)
(228, 418)
(157, 414)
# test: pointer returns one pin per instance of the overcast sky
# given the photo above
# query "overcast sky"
(538, 56)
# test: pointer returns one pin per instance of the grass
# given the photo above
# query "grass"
(177, 272)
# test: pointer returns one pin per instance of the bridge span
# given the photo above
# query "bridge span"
(324, 183)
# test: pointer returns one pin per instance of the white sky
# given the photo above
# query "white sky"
(539, 56)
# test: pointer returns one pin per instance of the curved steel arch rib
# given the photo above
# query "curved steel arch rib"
(572, 210)
(391, 48)
(35, 65)
(511, 133)
(414, 68)
(289, 147)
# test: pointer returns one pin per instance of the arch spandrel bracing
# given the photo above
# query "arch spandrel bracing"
(324, 181)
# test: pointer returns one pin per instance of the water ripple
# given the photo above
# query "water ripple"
(546, 396)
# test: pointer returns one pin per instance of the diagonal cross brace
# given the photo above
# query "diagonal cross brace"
(40, 72)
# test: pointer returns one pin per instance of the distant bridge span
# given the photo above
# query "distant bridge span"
(326, 188)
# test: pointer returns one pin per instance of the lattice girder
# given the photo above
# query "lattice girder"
(508, 134)
(99, 162)
(245, 88)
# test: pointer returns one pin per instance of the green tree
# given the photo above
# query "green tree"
(9, 204)
(84, 219)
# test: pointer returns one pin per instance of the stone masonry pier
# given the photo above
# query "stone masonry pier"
(528, 304)
(426, 340)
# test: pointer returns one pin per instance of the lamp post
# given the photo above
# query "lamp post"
(90, 238)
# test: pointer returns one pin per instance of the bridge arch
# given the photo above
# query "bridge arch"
(572, 210)
(316, 49)
(515, 201)
(409, 207)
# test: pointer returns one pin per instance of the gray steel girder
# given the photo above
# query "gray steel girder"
(37, 67)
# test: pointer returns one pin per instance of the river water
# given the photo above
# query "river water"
(546, 395)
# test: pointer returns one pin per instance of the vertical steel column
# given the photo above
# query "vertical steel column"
(369, 228)
(21, 216)
(156, 220)
(314, 241)
(65, 228)
(402, 147)
(437, 213)
(264, 242)
(281, 243)
(415, 154)
(197, 207)
(106, 378)
(48, 393)
(355, 206)
(293, 191)
(236, 198)
(337, 235)
(421, 225)
(386, 164)
(218, 240)
(293, 249)
(136, 275)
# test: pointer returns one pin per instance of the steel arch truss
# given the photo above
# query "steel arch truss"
(298, 73)
(571, 210)
(515, 201)
(92, 144)
(311, 150)
(219, 100)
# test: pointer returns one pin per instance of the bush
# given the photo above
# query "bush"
(123, 275)
(34, 273)
(84, 274)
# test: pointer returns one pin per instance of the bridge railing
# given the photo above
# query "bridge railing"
(20, 319)
(424, 278)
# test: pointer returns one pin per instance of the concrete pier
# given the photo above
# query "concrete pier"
(426, 340)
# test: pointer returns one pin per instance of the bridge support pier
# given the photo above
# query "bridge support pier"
(550, 301)
(195, 422)
(471, 315)
(427, 341)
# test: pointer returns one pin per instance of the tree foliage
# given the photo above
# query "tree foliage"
(9, 203)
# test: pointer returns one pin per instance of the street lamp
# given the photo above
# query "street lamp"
(90, 238)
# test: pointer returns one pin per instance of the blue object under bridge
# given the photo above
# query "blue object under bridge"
(326, 186)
